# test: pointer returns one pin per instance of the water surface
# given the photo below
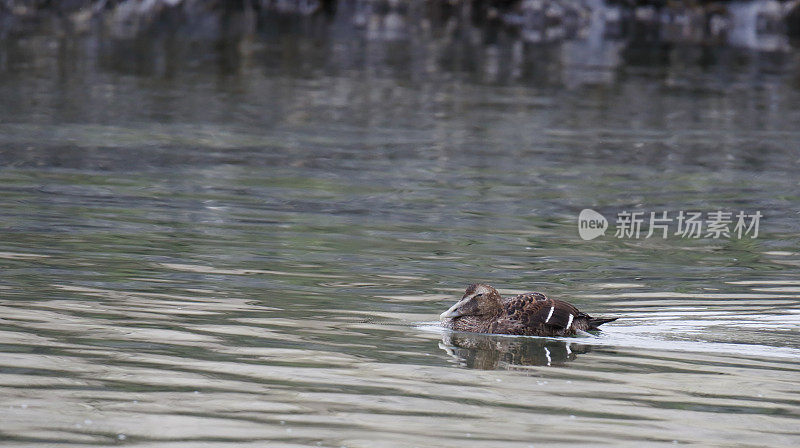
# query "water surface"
(251, 247)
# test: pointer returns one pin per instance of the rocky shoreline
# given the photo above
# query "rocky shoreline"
(762, 24)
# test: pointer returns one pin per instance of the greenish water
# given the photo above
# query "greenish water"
(202, 255)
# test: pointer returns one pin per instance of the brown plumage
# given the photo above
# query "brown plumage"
(483, 310)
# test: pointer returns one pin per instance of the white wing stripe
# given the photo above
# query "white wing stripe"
(570, 320)
(550, 314)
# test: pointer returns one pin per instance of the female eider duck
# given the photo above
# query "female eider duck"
(483, 310)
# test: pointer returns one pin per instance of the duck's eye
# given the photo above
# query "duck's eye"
(478, 295)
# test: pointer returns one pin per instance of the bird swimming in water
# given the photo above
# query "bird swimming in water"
(483, 310)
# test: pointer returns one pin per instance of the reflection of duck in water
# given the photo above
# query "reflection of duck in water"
(483, 310)
(480, 351)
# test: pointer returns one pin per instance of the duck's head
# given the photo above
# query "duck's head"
(479, 300)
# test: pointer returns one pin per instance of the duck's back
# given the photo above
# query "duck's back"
(534, 314)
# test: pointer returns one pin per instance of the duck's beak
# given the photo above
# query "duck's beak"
(452, 312)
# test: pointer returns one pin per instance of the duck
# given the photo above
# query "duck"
(483, 310)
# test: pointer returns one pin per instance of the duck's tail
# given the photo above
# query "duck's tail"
(595, 322)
